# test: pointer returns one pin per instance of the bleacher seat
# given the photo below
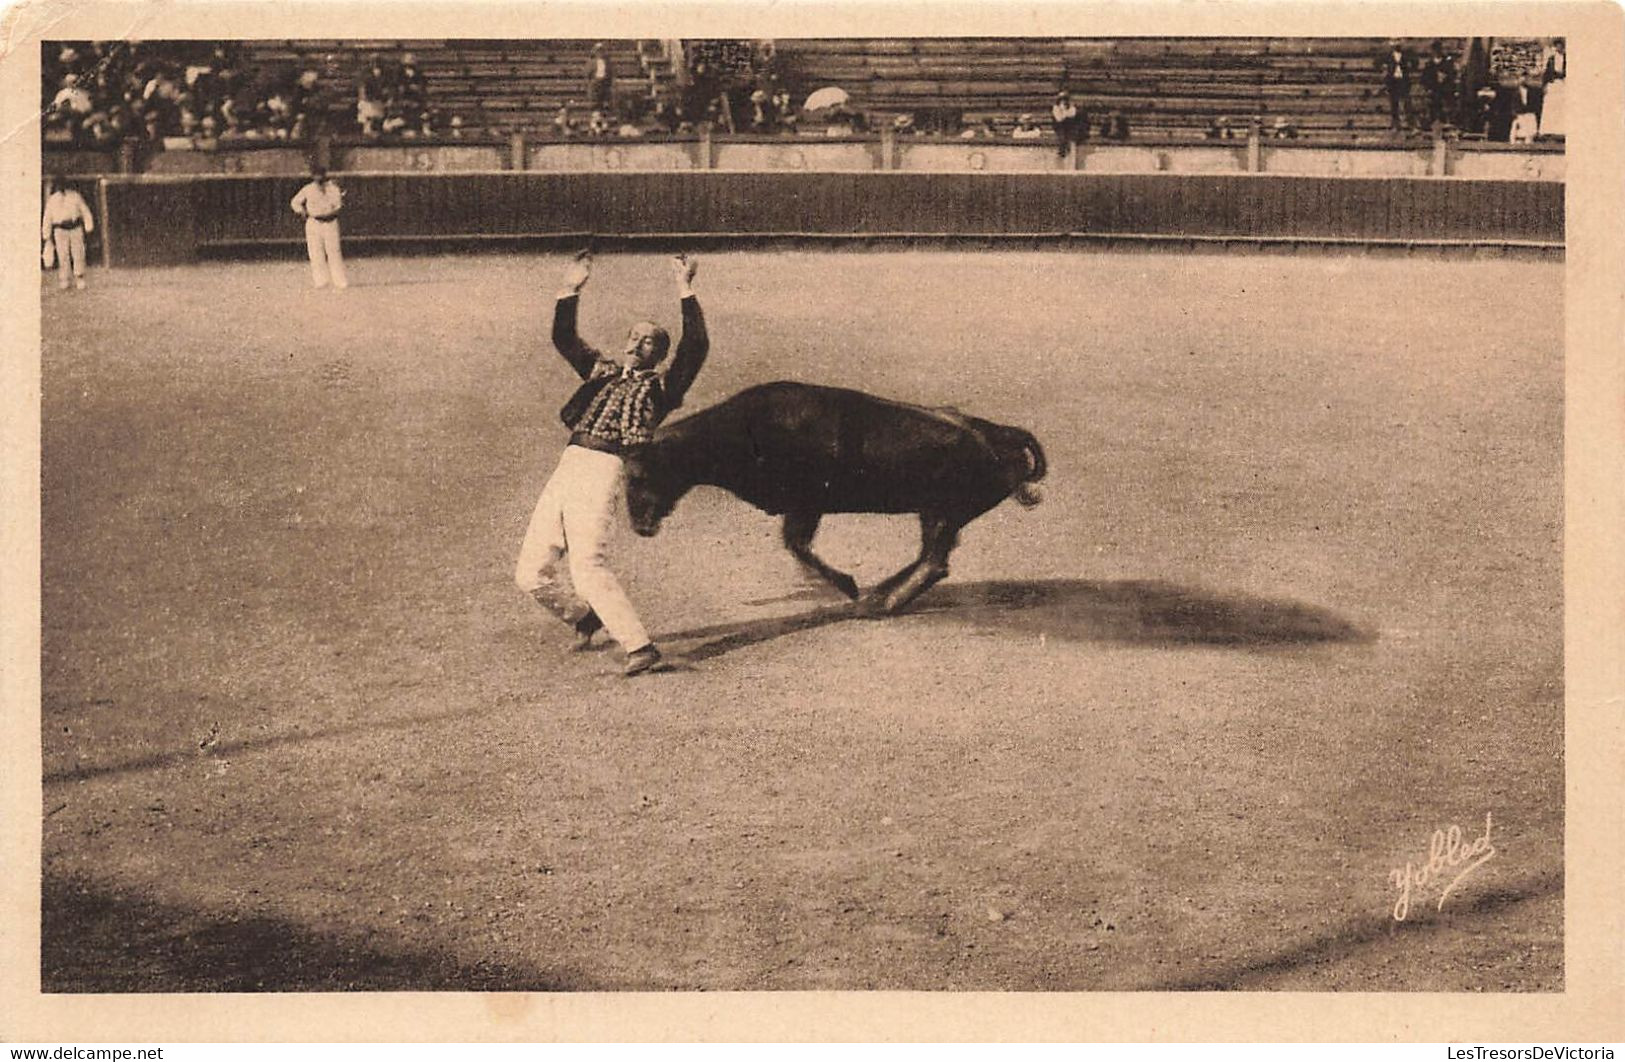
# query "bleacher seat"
(1174, 85)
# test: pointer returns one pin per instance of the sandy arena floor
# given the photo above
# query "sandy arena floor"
(1292, 603)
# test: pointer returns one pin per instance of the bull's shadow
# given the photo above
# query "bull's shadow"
(1133, 612)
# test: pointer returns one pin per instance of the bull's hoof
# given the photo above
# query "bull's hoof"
(873, 606)
(846, 585)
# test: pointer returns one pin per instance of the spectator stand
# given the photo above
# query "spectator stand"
(456, 105)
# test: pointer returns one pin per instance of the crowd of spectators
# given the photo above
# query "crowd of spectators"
(739, 86)
(1066, 125)
(1466, 96)
(392, 100)
(728, 85)
(201, 93)
(179, 93)
(101, 93)
(1222, 128)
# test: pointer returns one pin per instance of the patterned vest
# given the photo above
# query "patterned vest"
(617, 405)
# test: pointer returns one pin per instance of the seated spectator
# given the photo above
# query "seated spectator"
(205, 78)
(162, 96)
(73, 101)
(372, 95)
(226, 81)
(761, 116)
(843, 121)
(564, 125)
(1503, 111)
(57, 129)
(1220, 129)
(1026, 129)
(980, 130)
(1480, 112)
(395, 121)
(96, 128)
(784, 113)
(661, 118)
(208, 135)
(1525, 108)
(597, 124)
(306, 97)
(115, 123)
(278, 116)
(193, 72)
(1283, 129)
(1115, 127)
(456, 130)
(903, 125)
(231, 120)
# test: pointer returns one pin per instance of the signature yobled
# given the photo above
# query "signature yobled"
(1447, 854)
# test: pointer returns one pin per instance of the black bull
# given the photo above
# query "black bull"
(801, 451)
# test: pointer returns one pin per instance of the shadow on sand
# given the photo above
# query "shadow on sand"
(1131, 612)
(1331, 951)
(95, 939)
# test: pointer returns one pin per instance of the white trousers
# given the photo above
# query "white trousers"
(574, 517)
(70, 255)
(322, 241)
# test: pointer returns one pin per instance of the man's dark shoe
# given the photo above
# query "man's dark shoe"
(641, 660)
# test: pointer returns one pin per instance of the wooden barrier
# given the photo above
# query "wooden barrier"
(1319, 156)
(174, 219)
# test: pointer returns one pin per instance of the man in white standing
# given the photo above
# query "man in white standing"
(67, 219)
(319, 203)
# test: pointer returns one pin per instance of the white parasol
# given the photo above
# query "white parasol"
(825, 98)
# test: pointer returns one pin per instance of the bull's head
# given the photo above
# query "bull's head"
(649, 499)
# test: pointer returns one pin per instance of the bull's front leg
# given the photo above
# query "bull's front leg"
(799, 529)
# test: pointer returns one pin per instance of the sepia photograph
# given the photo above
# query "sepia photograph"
(860, 513)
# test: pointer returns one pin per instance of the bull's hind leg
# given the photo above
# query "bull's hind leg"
(938, 536)
(799, 529)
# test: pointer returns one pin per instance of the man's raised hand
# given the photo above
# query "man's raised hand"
(577, 272)
(683, 268)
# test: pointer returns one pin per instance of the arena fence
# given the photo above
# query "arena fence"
(1321, 156)
(160, 220)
